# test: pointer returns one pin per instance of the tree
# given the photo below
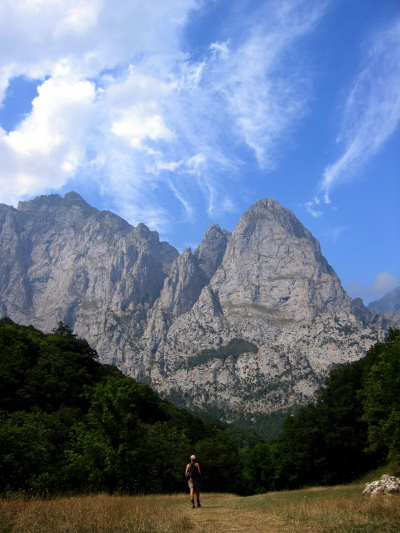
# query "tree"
(164, 470)
(381, 396)
(64, 330)
(260, 467)
(220, 463)
(69, 423)
(31, 452)
(103, 452)
(324, 443)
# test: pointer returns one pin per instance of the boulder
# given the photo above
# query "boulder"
(385, 485)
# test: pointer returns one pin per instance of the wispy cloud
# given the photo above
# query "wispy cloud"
(313, 207)
(263, 79)
(372, 109)
(383, 283)
(122, 104)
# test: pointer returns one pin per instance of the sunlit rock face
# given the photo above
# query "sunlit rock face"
(64, 260)
(174, 320)
(272, 261)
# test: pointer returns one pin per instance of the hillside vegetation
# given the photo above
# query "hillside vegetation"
(70, 424)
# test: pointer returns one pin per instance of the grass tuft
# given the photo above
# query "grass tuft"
(91, 514)
(343, 510)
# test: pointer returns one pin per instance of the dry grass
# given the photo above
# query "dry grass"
(340, 509)
(92, 514)
(320, 510)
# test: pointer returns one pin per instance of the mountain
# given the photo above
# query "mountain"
(249, 323)
(64, 260)
(390, 303)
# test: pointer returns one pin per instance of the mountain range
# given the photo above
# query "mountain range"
(249, 323)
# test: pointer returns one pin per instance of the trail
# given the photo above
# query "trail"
(229, 513)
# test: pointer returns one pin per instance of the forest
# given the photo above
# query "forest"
(70, 424)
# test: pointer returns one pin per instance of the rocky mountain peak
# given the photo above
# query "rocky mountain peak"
(55, 201)
(273, 261)
(211, 250)
(248, 323)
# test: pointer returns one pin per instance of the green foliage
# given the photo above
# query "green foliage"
(103, 448)
(30, 451)
(244, 439)
(381, 396)
(353, 425)
(63, 330)
(166, 456)
(69, 423)
(234, 348)
(220, 463)
(267, 426)
(323, 444)
(260, 468)
(46, 371)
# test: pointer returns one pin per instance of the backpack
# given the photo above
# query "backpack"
(193, 471)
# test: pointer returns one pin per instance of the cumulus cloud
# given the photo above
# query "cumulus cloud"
(49, 145)
(383, 283)
(372, 110)
(122, 103)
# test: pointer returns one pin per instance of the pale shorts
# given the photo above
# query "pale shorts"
(194, 483)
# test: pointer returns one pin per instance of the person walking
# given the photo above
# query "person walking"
(193, 475)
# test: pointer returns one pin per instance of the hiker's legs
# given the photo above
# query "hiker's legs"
(198, 496)
(191, 489)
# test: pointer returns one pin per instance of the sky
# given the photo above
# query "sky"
(182, 113)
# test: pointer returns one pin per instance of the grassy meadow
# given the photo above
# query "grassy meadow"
(340, 509)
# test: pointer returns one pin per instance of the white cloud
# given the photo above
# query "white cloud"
(50, 144)
(137, 124)
(94, 34)
(383, 283)
(313, 207)
(372, 109)
(220, 50)
(123, 105)
(337, 232)
(262, 79)
(68, 46)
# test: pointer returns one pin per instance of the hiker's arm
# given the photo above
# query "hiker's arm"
(198, 467)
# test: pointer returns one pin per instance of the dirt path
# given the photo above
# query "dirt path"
(227, 513)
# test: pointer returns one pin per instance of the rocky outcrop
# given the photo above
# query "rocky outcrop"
(385, 485)
(248, 323)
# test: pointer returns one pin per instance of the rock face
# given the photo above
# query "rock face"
(248, 323)
(64, 260)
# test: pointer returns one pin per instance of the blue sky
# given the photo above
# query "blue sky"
(182, 113)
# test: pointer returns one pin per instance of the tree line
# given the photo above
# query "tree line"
(71, 424)
(352, 427)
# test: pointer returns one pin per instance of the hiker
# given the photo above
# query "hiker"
(193, 474)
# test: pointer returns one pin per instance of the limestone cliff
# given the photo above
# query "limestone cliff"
(64, 260)
(250, 322)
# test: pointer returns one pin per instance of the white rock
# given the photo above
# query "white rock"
(385, 485)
